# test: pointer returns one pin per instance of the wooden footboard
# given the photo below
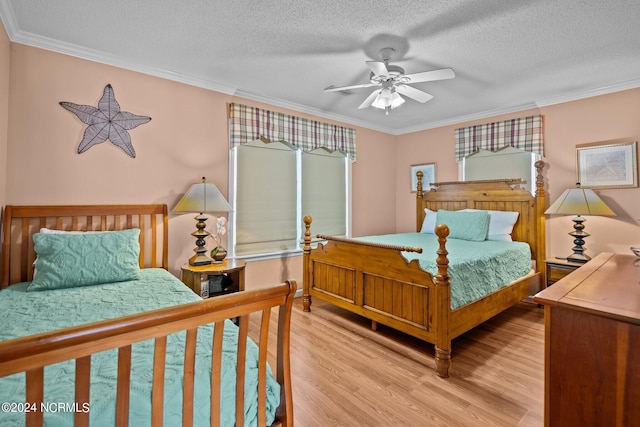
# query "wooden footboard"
(375, 281)
(31, 354)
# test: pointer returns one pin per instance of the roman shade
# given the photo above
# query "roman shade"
(250, 123)
(524, 133)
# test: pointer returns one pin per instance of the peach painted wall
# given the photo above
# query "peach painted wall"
(187, 138)
(5, 53)
(598, 118)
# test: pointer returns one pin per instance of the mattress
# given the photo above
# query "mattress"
(24, 313)
(475, 268)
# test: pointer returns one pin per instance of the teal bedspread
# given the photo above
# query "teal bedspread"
(24, 313)
(476, 268)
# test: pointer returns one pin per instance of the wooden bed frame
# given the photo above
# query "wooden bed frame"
(31, 354)
(376, 281)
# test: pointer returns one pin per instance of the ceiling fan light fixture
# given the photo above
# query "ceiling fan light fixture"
(388, 100)
(383, 100)
(396, 100)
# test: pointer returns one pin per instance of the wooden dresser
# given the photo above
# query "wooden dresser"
(592, 344)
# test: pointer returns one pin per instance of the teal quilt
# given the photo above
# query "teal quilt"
(24, 313)
(476, 268)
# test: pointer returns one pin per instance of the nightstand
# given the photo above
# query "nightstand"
(215, 279)
(556, 269)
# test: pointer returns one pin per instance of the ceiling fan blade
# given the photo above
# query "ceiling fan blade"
(378, 67)
(367, 102)
(414, 93)
(338, 89)
(429, 76)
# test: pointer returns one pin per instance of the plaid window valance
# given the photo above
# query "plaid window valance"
(524, 133)
(249, 123)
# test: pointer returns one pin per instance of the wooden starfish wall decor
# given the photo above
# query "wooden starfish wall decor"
(106, 122)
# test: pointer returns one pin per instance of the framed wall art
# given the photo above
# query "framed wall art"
(429, 175)
(607, 164)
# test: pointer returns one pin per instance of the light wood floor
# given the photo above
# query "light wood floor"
(345, 374)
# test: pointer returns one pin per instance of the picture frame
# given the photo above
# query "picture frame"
(607, 164)
(429, 175)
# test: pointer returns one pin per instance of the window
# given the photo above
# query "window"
(265, 204)
(324, 191)
(499, 150)
(274, 184)
(506, 163)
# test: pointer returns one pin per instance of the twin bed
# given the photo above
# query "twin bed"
(419, 283)
(103, 334)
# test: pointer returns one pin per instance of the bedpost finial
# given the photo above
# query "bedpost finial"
(442, 230)
(539, 178)
(419, 175)
(307, 233)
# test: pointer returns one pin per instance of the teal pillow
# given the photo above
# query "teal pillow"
(70, 260)
(465, 225)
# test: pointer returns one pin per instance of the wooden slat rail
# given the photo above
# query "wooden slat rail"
(20, 222)
(30, 354)
(216, 371)
(262, 369)
(188, 376)
(35, 393)
(83, 381)
(241, 368)
(123, 386)
(157, 398)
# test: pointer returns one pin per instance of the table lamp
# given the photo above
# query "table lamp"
(202, 197)
(579, 201)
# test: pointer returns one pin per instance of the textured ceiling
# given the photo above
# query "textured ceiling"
(507, 54)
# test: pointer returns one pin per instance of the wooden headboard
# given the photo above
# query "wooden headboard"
(21, 222)
(498, 195)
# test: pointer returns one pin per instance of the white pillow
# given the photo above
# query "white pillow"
(500, 224)
(429, 223)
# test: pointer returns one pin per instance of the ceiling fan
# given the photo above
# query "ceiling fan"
(393, 82)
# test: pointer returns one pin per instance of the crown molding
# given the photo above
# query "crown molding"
(467, 118)
(70, 49)
(7, 17)
(578, 95)
(543, 102)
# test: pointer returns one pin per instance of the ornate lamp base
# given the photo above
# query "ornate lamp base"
(200, 258)
(578, 234)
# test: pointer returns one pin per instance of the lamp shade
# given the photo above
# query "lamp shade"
(580, 201)
(203, 197)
